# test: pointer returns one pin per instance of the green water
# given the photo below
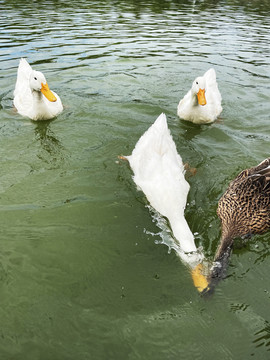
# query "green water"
(81, 276)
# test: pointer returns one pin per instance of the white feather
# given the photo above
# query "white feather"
(29, 103)
(159, 173)
(188, 107)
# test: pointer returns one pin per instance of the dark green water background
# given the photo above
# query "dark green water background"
(81, 276)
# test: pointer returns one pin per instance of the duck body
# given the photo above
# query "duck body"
(159, 173)
(244, 210)
(202, 103)
(32, 96)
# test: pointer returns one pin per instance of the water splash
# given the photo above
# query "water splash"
(167, 238)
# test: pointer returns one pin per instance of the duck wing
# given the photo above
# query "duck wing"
(262, 169)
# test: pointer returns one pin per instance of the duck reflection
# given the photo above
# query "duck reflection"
(51, 151)
(192, 130)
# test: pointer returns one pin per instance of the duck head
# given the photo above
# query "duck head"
(198, 88)
(38, 83)
(207, 275)
(200, 277)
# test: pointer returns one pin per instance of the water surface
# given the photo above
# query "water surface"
(81, 274)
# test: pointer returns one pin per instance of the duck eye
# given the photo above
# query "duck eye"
(197, 82)
(35, 78)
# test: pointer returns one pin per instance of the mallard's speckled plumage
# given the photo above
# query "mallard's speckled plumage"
(244, 209)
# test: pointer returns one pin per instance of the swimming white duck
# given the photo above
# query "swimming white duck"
(159, 173)
(32, 96)
(202, 104)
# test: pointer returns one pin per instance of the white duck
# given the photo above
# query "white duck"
(32, 96)
(202, 104)
(159, 173)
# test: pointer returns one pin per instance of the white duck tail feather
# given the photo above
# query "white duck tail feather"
(210, 76)
(159, 173)
(22, 92)
(23, 72)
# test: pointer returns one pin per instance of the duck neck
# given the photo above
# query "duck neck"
(219, 269)
(183, 234)
(225, 245)
(221, 262)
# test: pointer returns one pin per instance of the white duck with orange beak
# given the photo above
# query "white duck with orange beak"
(32, 96)
(202, 104)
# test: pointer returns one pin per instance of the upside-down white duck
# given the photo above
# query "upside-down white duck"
(159, 173)
(32, 96)
(202, 104)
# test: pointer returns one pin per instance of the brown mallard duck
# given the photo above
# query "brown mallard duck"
(244, 210)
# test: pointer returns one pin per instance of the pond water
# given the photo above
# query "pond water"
(83, 272)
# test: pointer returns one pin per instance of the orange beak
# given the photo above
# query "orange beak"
(47, 92)
(201, 97)
(199, 279)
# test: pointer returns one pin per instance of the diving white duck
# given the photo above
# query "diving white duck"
(159, 173)
(202, 104)
(32, 96)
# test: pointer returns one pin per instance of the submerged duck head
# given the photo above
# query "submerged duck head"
(198, 88)
(38, 83)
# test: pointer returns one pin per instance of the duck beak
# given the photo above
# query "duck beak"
(201, 97)
(199, 280)
(47, 92)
